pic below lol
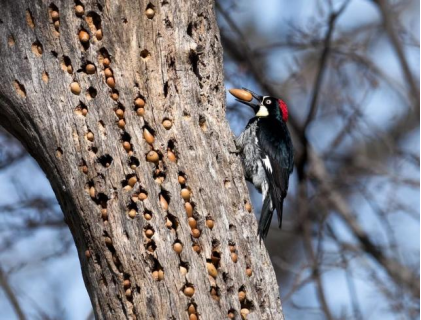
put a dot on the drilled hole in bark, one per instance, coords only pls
(166, 89)
(11, 41)
(159, 176)
(134, 162)
(59, 152)
(83, 167)
(150, 11)
(149, 232)
(55, 16)
(91, 93)
(184, 267)
(158, 271)
(147, 214)
(194, 61)
(45, 76)
(79, 9)
(190, 29)
(215, 292)
(145, 55)
(37, 48)
(84, 38)
(150, 246)
(94, 150)
(104, 57)
(171, 222)
(232, 314)
(105, 160)
(164, 199)
(114, 94)
(66, 65)
(29, 19)
(202, 123)
(196, 248)
(132, 210)
(215, 258)
(94, 21)
(90, 136)
(81, 109)
(20, 88)
(171, 152)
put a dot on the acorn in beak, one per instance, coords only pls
(245, 96)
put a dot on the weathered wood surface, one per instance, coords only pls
(171, 57)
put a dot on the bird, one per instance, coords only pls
(267, 154)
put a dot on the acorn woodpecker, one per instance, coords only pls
(266, 151)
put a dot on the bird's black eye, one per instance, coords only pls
(268, 102)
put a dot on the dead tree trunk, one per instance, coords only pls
(122, 105)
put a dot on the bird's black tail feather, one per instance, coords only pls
(265, 218)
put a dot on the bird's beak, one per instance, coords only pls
(254, 106)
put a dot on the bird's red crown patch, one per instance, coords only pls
(284, 110)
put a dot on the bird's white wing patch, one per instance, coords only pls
(266, 163)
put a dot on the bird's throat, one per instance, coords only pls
(263, 112)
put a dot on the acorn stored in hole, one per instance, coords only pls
(79, 10)
(196, 248)
(181, 180)
(211, 269)
(183, 270)
(152, 156)
(241, 296)
(132, 181)
(195, 233)
(210, 224)
(90, 68)
(149, 233)
(127, 146)
(148, 136)
(120, 113)
(147, 216)
(55, 15)
(75, 88)
(189, 209)
(83, 36)
(167, 124)
(140, 112)
(143, 196)
(192, 222)
(185, 194)
(248, 207)
(139, 102)
(92, 192)
(189, 291)
(150, 13)
(249, 272)
(244, 313)
(98, 34)
(234, 257)
(108, 72)
(90, 136)
(111, 82)
(164, 202)
(241, 94)
(132, 213)
(191, 309)
(106, 62)
(178, 247)
(126, 284)
(171, 156)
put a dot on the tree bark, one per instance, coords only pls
(95, 151)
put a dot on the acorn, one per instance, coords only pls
(181, 180)
(244, 312)
(231, 315)
(193, 317)
(120, 113)
(127, 146)
(55, 15)
(232, 248)
(152, 156)
(79, 10)
(178, 247)
(164, 202)
(56, 25)
(196, 248)
(108, 241)
(69, 69)
(121, 123)
(183, 270)
(241, 94)
(87, 254)
(189, 209)
(132, 213)
(126, 284)
(92, 192)
(185, 194)
(148, 136)
(155, 275)
(140, 112)
(104, 214)
(189, 291)
(75, 88)
(160, 275)
(211, 269)
(195, 233)
(83, 36)
(249, 272)
(106, 62)
(84, 112)
(234, 257)
(192, 222)
(171, 156)
(210, 224)
(147, 216)
(98, 34)
(128, 293)
(90, 68)
(139, 102)
(143, 196)
(150, 13)
(248, 207)
(241, 296)
(85, 169)
(114, 96)
(90, 136)
(132, 181)
(167, 124)
(191, 309)
(111, 82)
(149, 233)
(108, 72)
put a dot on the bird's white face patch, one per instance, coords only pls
(266, 163)
(263, 111)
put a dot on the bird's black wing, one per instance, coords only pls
(277, 157)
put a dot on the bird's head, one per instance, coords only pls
(266, 106)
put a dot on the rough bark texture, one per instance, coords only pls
(169, 54)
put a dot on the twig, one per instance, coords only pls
(4, 283)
